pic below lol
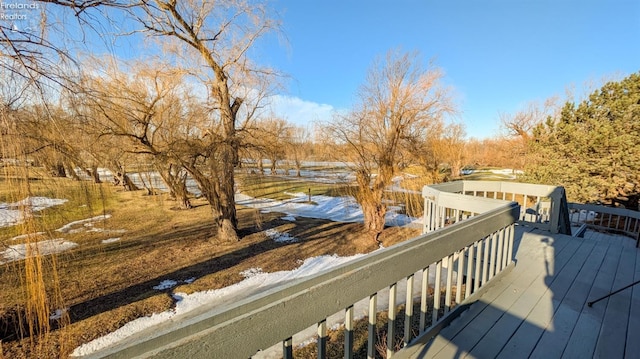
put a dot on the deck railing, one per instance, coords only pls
(541, 206)
(619, 220)
(473, 252)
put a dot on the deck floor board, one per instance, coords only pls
(539, 309)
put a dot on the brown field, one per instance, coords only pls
(105, 286)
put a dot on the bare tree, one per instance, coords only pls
(274, 137)
(398, 104)
(220, 34)
(454, 143)
(299, 147)
(520, 125)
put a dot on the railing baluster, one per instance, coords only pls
(476, 279)
(408, 311)
(460, 276)
(322, 339)
(373, 313)
(287, 348)
(436, 292)
(424, 296)
(447, 297)
(492, 261)
(348, 333)
(485, 264)
(512, 230)
(500, 250)
(469, 282)
(391, 327)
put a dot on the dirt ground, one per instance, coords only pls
(104, 286)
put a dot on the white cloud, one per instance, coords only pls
(299, 111)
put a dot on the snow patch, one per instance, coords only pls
(26, 236)
(68, 228)
(58, 314)
(166, 284)
(21, 251)
(279, 237)
(15, 213)
(255, 282)
(337, 209)
(111, 240)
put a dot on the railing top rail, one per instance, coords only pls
(498, 186)
(603, 209)
(462, 202)
(287, 307)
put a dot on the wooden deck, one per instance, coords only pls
(539, 309)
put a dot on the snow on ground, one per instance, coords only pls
(57, 314)
(21, 251)
(25, 236)
(256, 281)
(110, 240)
(68, 228)
(279, 236)
(15, 213)
(338, 209)
(166, 284)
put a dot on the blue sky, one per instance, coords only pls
(497, 55)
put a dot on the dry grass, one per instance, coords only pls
(106, 285)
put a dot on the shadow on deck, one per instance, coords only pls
(539, 309)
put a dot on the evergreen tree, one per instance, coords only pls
(593, 148)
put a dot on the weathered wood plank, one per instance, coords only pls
(585, 334)
(553, 322)
(632, 347)
(612, 336)
(526, 337)
(558, 271)
(470, 328)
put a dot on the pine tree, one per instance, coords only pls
(593, 148)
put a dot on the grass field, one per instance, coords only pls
(102, 286)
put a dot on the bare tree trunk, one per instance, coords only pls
(370, 197)
(374, 219)
(260, 166)
(71, 171)
(120, 178)
(298, 164)
(273, 166)
(57, 170)
(95, 174)
(176, 181)
(213, 189)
